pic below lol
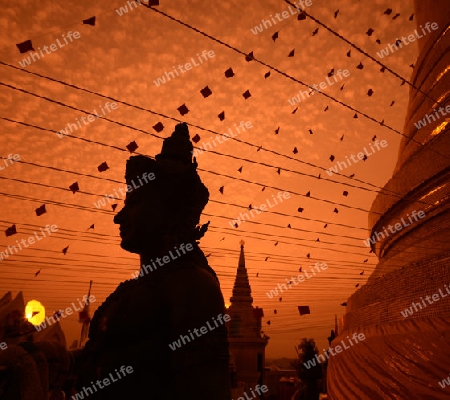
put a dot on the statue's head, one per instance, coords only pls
(165, 198)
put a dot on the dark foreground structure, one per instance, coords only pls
(404, 309)
(160, 336)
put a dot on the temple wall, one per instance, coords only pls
(384, 299)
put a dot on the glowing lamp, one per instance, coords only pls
(35, 312)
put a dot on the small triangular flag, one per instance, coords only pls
(229, 73)
(74, 187)
(303, 310)
(249, 57)
(41, 210)
(11, 230)
(89, 21)
(222, 115)
(25, 46)
(206, 92)
(183, 110)
(132, 146)
(158, 127)
(103, 167)
(246, 94)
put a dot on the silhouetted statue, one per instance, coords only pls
(167, 324)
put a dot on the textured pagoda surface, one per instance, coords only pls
(406, 355)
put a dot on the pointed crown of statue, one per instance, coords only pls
(176, 180)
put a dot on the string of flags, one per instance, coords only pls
(183, 110)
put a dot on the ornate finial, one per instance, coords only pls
(178, 146)
(242, 243)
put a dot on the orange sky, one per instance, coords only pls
(121, 57)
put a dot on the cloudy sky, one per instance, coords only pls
(122, 57)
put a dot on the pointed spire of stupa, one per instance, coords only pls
(242, 292)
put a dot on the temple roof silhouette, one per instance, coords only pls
(242, 292)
